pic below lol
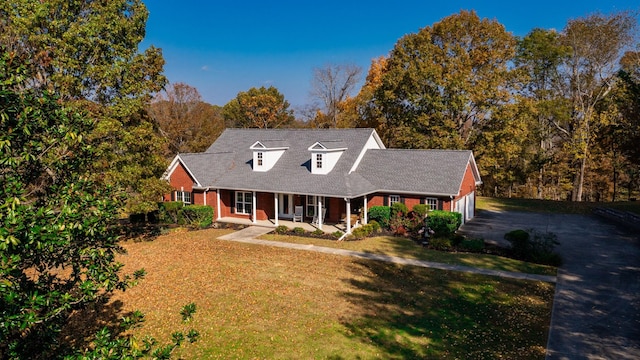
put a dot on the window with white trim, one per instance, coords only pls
(259, 155)
(312, 204)
(244, 202)
(183, 196)
(432, 203)
(319, 161)
(393, 199)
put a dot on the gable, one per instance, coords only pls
(179, 168)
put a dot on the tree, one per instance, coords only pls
(443, 81)
(87, 53)
(332, 85)
(628, 99)
(360, 110)
(188, 123)
(597, 43)
(57, 240)
(538, 61)
(263, 108)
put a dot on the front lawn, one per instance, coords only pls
(264, 302)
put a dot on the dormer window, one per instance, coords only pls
(267, 153)
(325, 155)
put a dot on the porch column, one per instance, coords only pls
(204, 200)
(218, 204)
(275, 202)
(365, 219)
(320, 219)
(348, 201)
(253, 208)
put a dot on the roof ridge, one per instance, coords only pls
(399, 149)
(207, 153)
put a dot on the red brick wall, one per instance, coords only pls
(336, 207)
(409, 200)
(265, 206)
(179, 180)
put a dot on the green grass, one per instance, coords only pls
(403, 247)
(261, 302)
(550, 206)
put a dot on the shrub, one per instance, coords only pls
(420, 210)
(399, 209)
(381, 215)
(318, 232)
(359, 233)
(534, 246)
(472, 245)
(197, 215)
(337, 234)
(520, 244)
(281, 229)
(168, 211)
(375, 226)
(298, 230)
(136, 218)
(441, 243)
(414, 222)
(444, 223)
(457, 239)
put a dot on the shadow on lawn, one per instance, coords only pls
(84, 324)
(412, 312)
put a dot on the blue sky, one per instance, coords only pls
(222, 48)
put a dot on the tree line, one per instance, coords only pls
(550, 115)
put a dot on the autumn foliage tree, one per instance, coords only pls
(262, 108)
(188, 123)
(443, 81)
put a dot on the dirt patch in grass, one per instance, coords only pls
(262, 302)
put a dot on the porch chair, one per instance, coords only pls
(297, 214)
(315, 217)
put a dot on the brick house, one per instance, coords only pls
(274, 174)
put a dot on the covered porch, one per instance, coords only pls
(328, 228)
(310, 212)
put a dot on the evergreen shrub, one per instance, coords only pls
(381, 214)
(444, 223)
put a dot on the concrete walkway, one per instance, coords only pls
(596, 309)
(249, 235)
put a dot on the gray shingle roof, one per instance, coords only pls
(227, 164)
(429, 172)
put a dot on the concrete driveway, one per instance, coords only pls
(596, 309)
